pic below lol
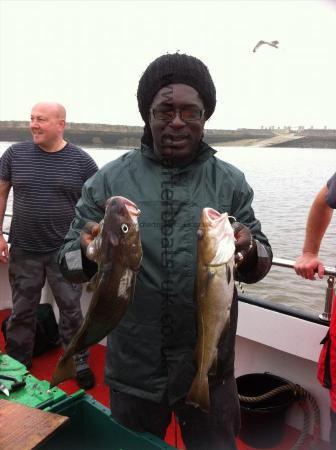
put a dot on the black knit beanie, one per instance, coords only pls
(175, 68)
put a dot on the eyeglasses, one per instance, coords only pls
(185, 114)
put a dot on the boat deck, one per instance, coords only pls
(44, 365)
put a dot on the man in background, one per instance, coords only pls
(307, 266)
(47, 176)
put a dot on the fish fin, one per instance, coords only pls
(224, 334)
(64, 370)
(200, 234)
(229, 274)
(224, 331)
(198, 394)
(91, 286)
(213, 368)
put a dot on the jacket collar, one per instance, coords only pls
(204, 153)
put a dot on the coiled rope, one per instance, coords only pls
(305, 399)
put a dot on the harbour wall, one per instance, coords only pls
(103, 135)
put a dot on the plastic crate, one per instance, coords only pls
(92, 428)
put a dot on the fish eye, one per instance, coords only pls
(124, 228)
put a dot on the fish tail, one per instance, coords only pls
(198, 394)
(65, 369)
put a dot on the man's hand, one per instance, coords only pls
(244, 242)
(88, 233)
(3, 250)
(308, 264)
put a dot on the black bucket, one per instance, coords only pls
(263, 423)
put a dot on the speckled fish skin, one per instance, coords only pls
(214, 293)
(118, 253)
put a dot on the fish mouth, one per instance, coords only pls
(213, 217)
(218, 230)
(131, 207)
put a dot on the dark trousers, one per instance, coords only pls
(200, 431)
(333, 429)
(27, 274)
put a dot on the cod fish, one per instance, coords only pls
(118, 253)
(213, 296)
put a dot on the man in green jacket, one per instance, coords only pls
(171, 178)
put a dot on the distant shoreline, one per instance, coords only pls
(123, 136)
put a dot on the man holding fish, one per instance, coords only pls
(173, 349)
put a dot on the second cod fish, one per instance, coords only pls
(117, 251)
(214, 293)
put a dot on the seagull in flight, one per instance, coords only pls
(272, 44)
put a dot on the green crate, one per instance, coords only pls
(92, 428)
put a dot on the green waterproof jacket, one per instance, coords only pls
(150, 352)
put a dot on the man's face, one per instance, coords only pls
(176, 140)
(46, 125)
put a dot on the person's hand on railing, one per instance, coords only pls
(3, 250)
(308, 265)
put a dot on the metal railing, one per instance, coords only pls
(289, 263)
(330, 291)
(281, 262)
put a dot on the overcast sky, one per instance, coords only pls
(89, 55)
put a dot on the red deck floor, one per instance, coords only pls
(44, 365)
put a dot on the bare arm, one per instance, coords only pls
(4, 191)
(319, 217)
